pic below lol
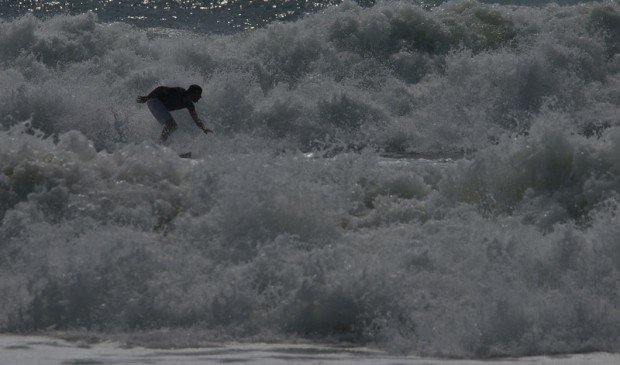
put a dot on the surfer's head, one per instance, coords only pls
(194, 93)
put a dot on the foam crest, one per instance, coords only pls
(510, 249)
(348, 248)
(395, 76)
(551, 172)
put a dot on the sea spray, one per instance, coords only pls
(116, 245)
(394, 77)
(433, 180)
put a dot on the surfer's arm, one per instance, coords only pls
(199, 123)
(155, 94)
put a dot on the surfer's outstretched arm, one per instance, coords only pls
(199, 123)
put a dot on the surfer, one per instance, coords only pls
(162, 100)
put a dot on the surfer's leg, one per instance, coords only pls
(163, 116)
(169, 127)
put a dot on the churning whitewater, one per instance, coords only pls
(433, 178)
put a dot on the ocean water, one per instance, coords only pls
(53, 351)
(219, 16)
(421, 178)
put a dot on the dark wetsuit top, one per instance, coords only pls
(172, 98)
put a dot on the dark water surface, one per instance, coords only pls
(204, 15)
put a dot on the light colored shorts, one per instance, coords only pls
(159, 111)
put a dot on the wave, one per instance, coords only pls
(512, 253)
(510, 250)
(394, 77)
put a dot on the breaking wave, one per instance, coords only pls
(510, 249)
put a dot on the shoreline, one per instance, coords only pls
(45, 349)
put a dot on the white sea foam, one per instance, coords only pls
(291, 222)
(50, 351)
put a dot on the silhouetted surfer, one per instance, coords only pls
(162, 100)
